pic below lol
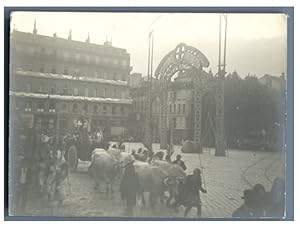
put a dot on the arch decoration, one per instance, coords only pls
(187, 59)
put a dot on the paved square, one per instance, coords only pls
(225, 178)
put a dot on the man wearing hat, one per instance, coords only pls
(246, 210)
(179, 162)
(189, 194)
(129, 187)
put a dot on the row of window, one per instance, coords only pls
(72, 56)
(180, 108)
(140, 106)
(77, 73)
(76, 108)
(178, 122)
(94, 92)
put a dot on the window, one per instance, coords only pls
(40, 107)
(86, 92)
(41, 88)
(115, 76)
(52, 107)
(87, 58)
(122, 110)
(77, 56)
(42, 69)
(52, 90)
(31, 50)
(105, 92)
(64, 107)
(65, 91)
(43, 50)
(170, 108)
(192, 108)
(95, 109)
(183, 108)
(97, 60)
(95, 92)
(179, 108)
(53, 70)
(75, 108)
(174, 108)
(93, 60)
(174, 122)
(38, 123)
(76, 92)
(51, 123)
(113, 110)
(28, 106)
(63, 125)
(115, 94)
(85, 107)
(18, 104)
(104, 109)
(98, 93)
(105, 75)
(66, 71)
(66, 55)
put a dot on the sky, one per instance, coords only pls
(256, 43)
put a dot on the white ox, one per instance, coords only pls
(103, 168)
(175, 173)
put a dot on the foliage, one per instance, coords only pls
(251, 108)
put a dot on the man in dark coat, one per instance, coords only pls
(246, 210)
(254, 203)
(129, 188)
(179, 162)
(189, 194)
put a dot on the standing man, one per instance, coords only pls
(129, 187)
(190, 195)
(179, 162)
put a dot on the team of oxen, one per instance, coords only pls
(160, 179)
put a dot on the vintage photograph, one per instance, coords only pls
(163, 115)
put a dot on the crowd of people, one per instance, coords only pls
(40, 168)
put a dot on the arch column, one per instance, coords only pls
(198, 117)
(220, 131)
(163, 120)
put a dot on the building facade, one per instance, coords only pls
(59, 83)
(180, 109)
(274, 82)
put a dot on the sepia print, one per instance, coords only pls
(147, 115)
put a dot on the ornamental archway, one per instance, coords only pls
(190, 60)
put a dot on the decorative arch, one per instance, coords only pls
(187, 58)
(183, 57)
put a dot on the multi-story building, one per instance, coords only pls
(135, 80)
(180, 108)
(274, 82)
(58, 83)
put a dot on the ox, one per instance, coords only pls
(103, 168)
(175, 173)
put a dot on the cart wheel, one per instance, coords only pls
(72, 158)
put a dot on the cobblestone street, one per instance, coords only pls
(225, 178)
